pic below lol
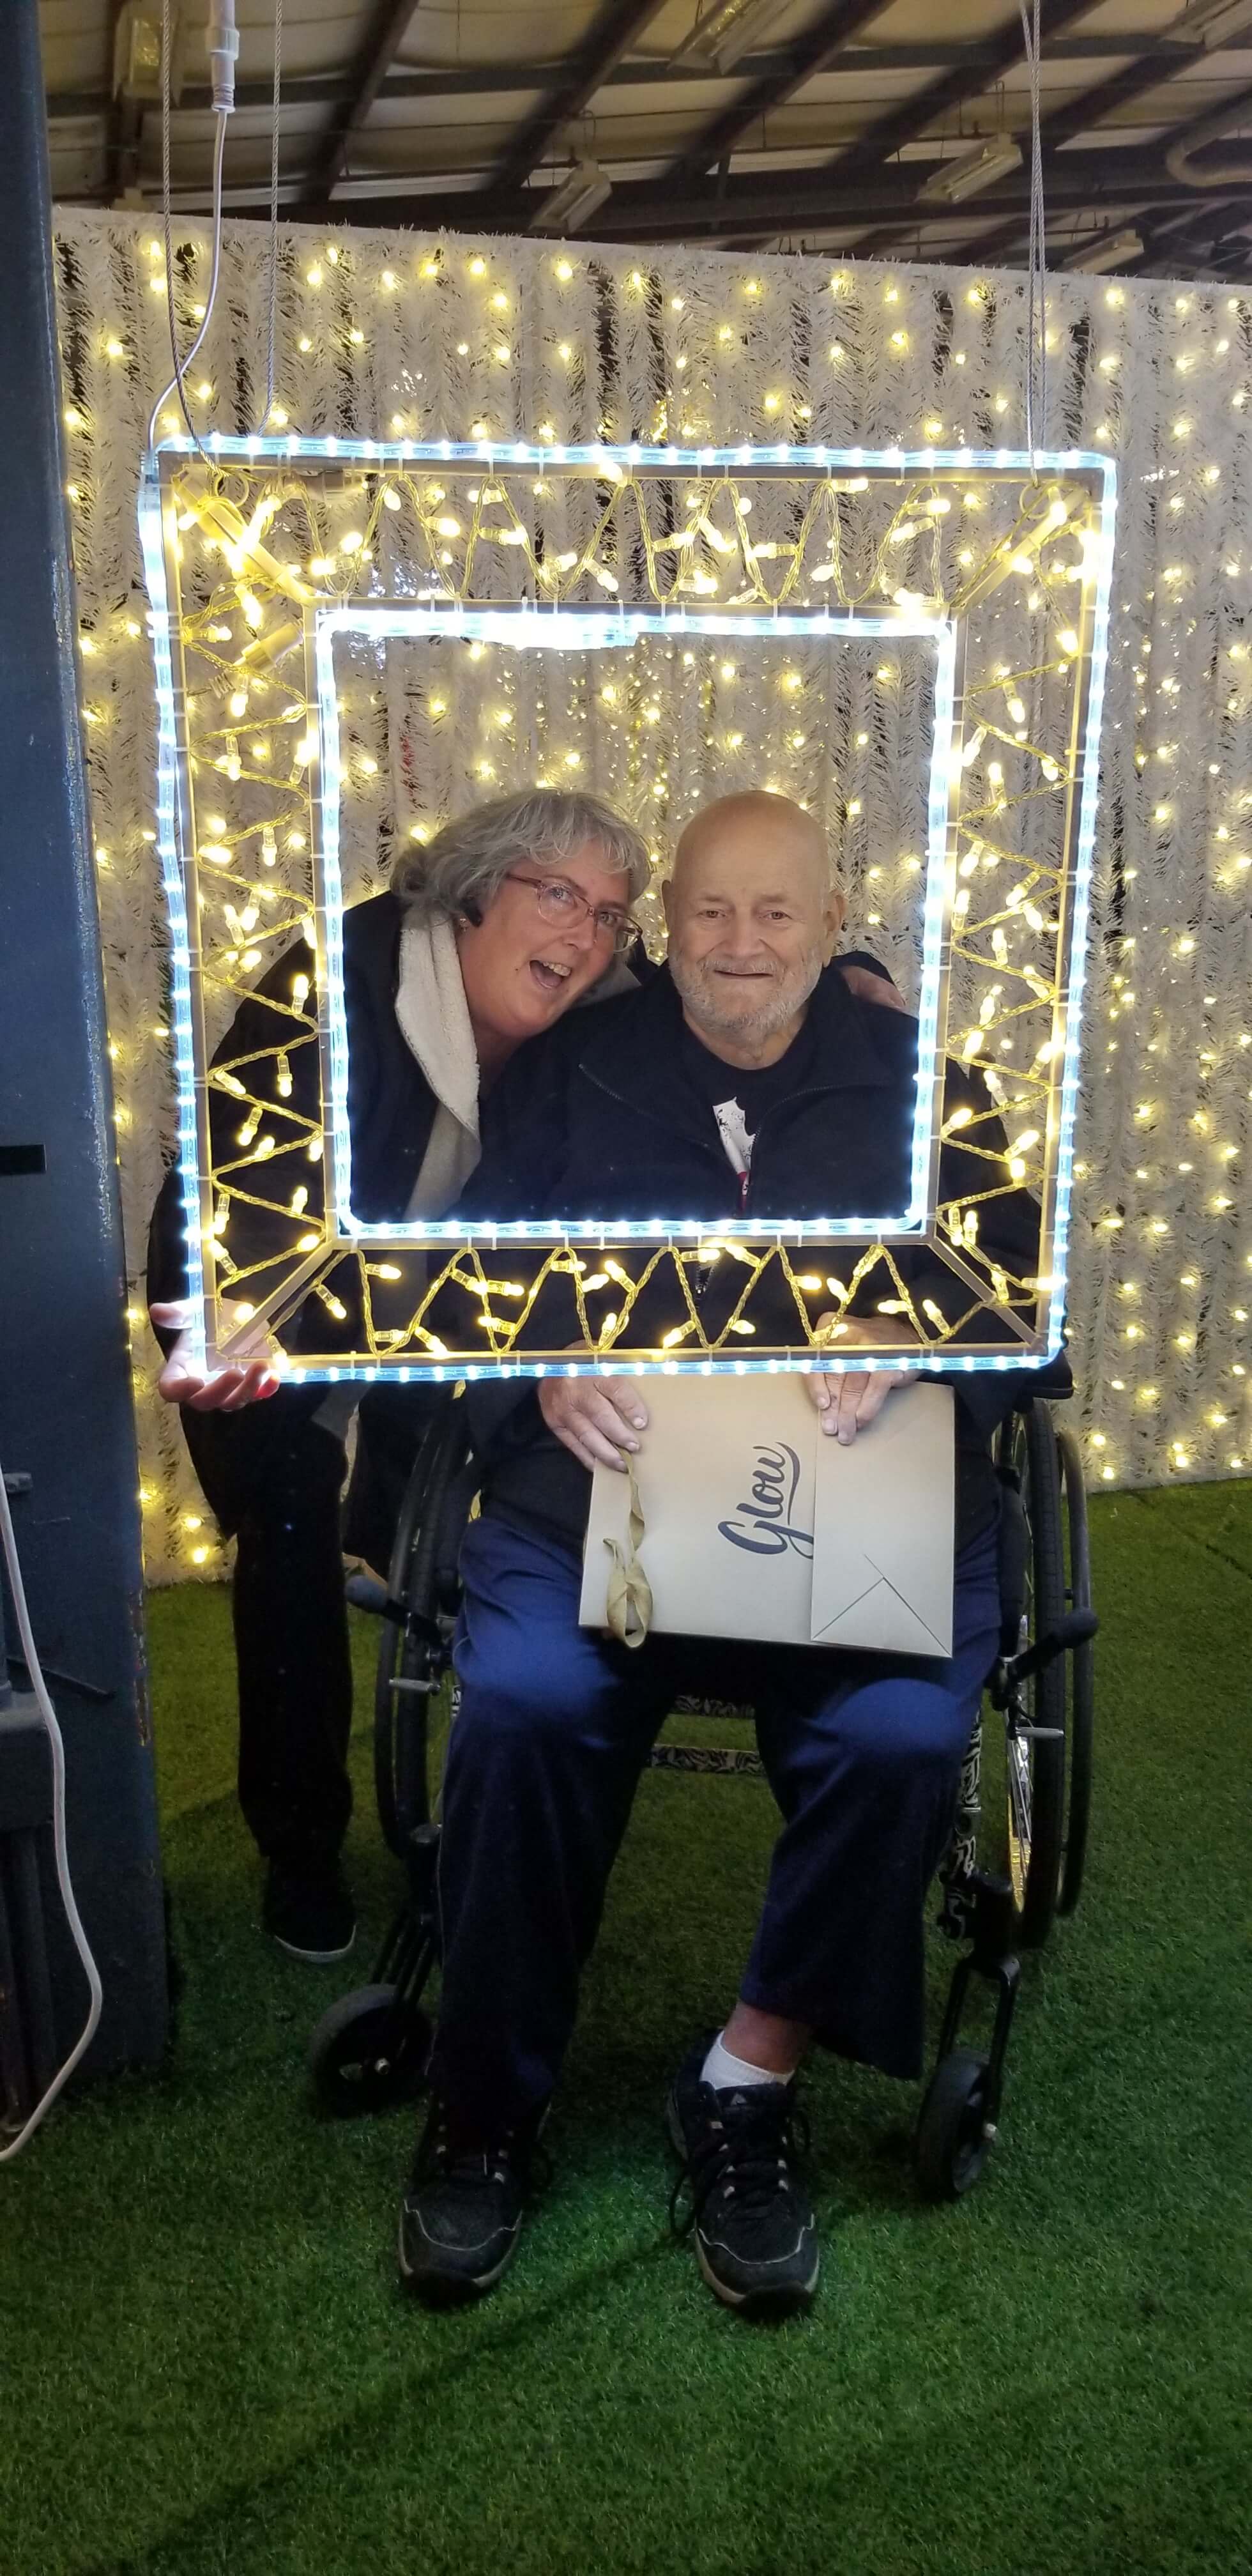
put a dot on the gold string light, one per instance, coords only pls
(249, 540)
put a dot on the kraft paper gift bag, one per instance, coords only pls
(885, 1530)
(757, 1525)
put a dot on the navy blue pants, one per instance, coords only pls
(555, 1725)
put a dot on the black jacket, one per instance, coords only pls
(600, 1118)
(391, 1108)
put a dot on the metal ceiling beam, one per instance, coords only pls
(70, 106)
(1092, 106)
(1089, 109)
(123, 124)
(753, 231)
(612, 33)
(907, 124)
(489, 80)
(772, 201)
(388, 26)
(1172, 246)
(812, 53)
(1229, 240)
(1219, 217)
(1008, 246)
(1177, 242)
(1075, 116)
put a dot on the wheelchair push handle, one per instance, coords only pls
(1077, 1628)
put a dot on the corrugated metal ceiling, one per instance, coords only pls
(820, 132)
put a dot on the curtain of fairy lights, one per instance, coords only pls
(397, 334)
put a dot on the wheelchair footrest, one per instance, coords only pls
(992, 1926)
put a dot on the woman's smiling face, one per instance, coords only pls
(521, 971)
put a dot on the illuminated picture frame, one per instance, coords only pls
(232, 500)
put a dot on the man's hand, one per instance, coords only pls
(869, 987)
(595, 1418)
(849, 1402)
(246, 1380)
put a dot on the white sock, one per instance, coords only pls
(728, 2073)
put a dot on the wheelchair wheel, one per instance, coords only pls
(1035, 1764)
(409, 1649)
(1080, 1667)
(954, 2136)
(369, 2051)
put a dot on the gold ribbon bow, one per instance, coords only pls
(629, 1606)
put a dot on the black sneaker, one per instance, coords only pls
(755, 2234)
(309, 1913)
(461, 2216)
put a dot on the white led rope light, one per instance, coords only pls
(569, 630)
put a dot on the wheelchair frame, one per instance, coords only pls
(370, 2049)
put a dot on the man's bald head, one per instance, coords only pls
(753, 916)
(755, 821)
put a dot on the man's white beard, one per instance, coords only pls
(715, 1004)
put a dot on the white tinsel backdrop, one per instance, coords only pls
(529, 339)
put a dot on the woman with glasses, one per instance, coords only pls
(510, 916)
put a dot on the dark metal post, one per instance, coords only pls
(65, 1408)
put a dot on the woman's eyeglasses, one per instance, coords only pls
(565, 905)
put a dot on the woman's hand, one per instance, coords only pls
(246, 1380)
(595, 1418)
(849, 1402)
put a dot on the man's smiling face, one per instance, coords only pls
(753, 918)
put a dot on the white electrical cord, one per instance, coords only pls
(273, 243)
(1036, 318)
(222, 46)
(73, 1917)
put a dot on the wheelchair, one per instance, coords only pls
(371, 2048)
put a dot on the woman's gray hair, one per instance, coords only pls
(467, 862)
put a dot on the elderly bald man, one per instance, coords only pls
(744, 1079)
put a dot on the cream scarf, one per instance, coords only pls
(435, 1025)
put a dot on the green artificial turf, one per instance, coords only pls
(206, 2368)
